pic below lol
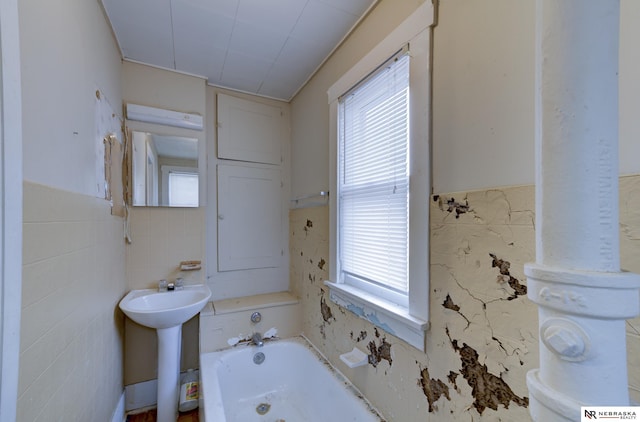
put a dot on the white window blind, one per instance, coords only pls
(373, 178)
(183, 189)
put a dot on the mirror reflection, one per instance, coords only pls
(165, 170)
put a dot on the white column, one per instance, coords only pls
(583, 296)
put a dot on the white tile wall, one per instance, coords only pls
(161, 238)
(71, 332)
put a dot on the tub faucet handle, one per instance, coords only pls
(257, 339)
(256, 317)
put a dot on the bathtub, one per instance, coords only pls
(293, 383)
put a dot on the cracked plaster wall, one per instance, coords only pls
(483, 337)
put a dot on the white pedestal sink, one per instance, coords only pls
(166, 312)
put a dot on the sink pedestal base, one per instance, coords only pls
(169, 345)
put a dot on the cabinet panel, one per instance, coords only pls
(249, 131)
(249, 217)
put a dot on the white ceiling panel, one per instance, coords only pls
(195, 24)
(323, 25)
(278, 15)
(354, 7)
(244, 72)
(255, 41)
(296, 63)
(201, 38)
(228, 8)
(266, 47)
(135, 23)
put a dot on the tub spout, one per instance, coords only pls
(257, 339)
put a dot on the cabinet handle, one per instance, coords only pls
(220, 217)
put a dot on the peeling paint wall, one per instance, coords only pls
(483, 337)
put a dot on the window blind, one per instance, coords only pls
(183, 189)
(373, 178)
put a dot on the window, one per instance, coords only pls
(179, 186)
(183, 189)
(373, 182)
(380, 158)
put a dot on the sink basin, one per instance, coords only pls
(155, 309)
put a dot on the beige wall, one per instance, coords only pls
(162, 237)
(71, 334)
(310, 109)
(73, 253)
(483, 94)
(483, 87)
(482, 333)
(67, 53)
(483, 336)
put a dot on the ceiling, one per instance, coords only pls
(264, 47)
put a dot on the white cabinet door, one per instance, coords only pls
(249, 217)
(249, 131)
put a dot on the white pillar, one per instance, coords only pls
(583, 296)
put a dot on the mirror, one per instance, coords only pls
(164, 170)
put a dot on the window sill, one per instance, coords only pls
(385, 315)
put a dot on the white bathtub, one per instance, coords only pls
(294, 383)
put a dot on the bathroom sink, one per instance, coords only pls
(155, 309)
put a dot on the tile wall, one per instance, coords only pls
(71, 332)
(483, 337)
(161, 238)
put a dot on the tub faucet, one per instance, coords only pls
(257, 339)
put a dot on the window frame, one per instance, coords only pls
(408, 323)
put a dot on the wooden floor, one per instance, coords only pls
(150, 416)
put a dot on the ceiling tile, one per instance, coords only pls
(227, 8)
(298, 57)
(201, 38)
(296, 62)
(254, 41)
(323, 25)
(280, 15)
(194, 24)
(143, 29)
(243, 72)
(270, 47)
(276, 89)
(208, 64)
(354, 7)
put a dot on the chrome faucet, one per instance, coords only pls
(257, 340)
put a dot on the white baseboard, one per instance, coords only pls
(118, 413)
(140, 395)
